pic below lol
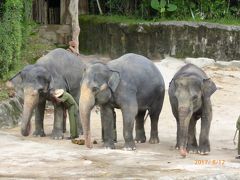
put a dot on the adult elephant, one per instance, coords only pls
(59, 69)
(189, 93)
(131, 83)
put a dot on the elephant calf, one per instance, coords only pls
(131, 83)
(189, 93)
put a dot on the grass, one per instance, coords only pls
(111, 19)
(133, 20)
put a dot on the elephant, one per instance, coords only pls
(189, 94)
(131, 83)
(59, 69)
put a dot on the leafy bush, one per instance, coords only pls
(13, 29)
(170, 9)
(162, 6)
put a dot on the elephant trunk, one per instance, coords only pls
(184, 120)
(86, 103)
(31, 98)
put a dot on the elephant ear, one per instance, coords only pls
(25, 71)
(57, 83)
(209, 87)
(53, 84)
(16, 79)
(114, 80)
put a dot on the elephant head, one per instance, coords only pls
(35, 81)
(190, 93)
(98, 85)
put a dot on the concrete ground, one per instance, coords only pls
(44, 158)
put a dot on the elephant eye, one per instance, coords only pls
(95, 89)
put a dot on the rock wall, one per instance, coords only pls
(157, 40)
(55, 34)
(10, 112)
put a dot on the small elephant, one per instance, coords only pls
(189, 94)
(131, 83)
(59, 69)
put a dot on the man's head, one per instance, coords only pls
(58, 92)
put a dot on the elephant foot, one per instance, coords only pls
(39, 133)
(129, 146)
(204, 148)
(109, 145)
(57, 135)
(141, 139)
(177, 147)
(183, 152)
(154, 140)
(192, 149)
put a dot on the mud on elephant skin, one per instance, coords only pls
(189, 93)
(59, 69)
(131, 83)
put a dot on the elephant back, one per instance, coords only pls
(60, 58)
(138, 71)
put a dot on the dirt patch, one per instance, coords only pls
(31, 157)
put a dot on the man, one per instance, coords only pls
(71, 48)
(238, 129)
(61, 96)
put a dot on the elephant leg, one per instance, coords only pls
(175, 113)
(154, 139)
(192, 146)
(204, 143)
(57, 132)
(140, 132)
(177, 146)
(39, 116)
(154, 115)
(107, 117)
(129, 112)
(114, 126)
(79, 123)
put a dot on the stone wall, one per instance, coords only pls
(157, 40)
(55, 34)
(10, 112)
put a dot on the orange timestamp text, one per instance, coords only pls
(209, 162)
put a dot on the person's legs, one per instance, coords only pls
(73, 122)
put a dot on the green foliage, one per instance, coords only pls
(209, 10)
(14, 26)
(206, 9)
(133, 8)
(162, 6)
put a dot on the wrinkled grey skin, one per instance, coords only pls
(58, 69)
(131, 83)
(189, 93)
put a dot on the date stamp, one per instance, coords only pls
(209, 162)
